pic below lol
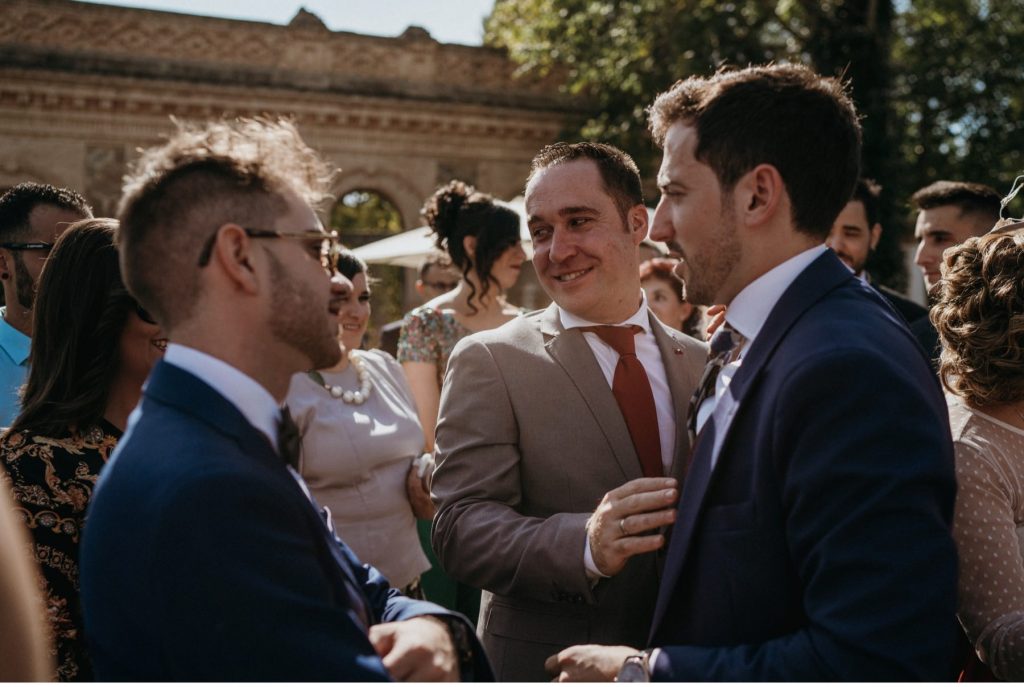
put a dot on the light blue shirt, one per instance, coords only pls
(14, 350)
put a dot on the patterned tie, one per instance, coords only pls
(288, 438)
(725, 346)
(632, 391)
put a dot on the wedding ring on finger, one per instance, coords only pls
(622, 527)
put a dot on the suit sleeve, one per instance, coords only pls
(864, 461)
(479, 534)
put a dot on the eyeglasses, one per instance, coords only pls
(35, 245)
(441, 285)
(327, 245)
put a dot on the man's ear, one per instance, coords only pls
(636, 222)
(233, 255)
(876, 234)
(758, 195)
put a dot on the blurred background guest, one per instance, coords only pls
(979, 316)
(92, 348)
(436, 277)
(481, 238)
(360, 436)
(25, 652)
(665, 297)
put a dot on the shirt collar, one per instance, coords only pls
(14, 343)
(749, 310)
(639, 318)
(244, 392)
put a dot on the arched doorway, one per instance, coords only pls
(362, 216)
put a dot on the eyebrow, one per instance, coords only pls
(565, 212)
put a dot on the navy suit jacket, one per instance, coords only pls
(204, 559)
(818, 547)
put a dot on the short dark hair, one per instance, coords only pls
(619, 173)
(81, 309)
(971, 198)
(178, 194)
(868, 194)
(18, 203)
(772, 115)
(457, 210)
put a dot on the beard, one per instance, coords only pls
(296, 322)
(706, 270)
(25, 288)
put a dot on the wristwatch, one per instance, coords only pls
(635, 669)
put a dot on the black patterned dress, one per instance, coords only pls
(52, 480)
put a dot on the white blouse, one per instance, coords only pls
(355, 459)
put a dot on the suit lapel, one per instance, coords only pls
(682, 380)
(818, 279)
(570, 350)
(187, 393)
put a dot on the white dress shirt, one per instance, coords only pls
(748, 312)
(649, 354)
(242, 391)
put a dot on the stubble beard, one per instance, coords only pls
(25, 288)
(706, 272)
(296, 321)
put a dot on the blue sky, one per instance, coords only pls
(449, 21)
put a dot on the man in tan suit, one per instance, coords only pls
(549, 496)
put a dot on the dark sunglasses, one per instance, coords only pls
(144, 314)
(34, 245)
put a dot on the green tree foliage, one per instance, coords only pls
(935, 80)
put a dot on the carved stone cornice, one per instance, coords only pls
(82, 38)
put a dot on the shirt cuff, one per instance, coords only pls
(593, 574)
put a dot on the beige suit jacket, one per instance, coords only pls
(529, 439)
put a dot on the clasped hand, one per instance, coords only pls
(416, 650)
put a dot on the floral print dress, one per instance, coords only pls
(428, 336)
(52, 480)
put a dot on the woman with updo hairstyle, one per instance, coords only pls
(482, 239)
(979, 316)
(664, 291)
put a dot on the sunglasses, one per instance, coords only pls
(35, 245)
(144, 314)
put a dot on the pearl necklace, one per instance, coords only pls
(356, 398)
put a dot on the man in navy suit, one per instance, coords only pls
(206, 558)
(812, 536)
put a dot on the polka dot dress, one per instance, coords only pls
(988, 527)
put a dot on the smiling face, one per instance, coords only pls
(851, 238)
(354, 313)
(509, 265)
(696, 220)
(586, 257)
(140, 346)
(940, 228)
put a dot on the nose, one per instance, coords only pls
(563, 246)
(922, 258)
(520, 251)
(661, 229)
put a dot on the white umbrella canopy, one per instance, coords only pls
(410, 248)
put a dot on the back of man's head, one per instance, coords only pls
(619, 173)
(787, 116)
(17, 204)
(178, 195)
(970, 198)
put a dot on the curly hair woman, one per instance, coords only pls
(980, 320)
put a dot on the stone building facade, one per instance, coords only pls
(83, 86)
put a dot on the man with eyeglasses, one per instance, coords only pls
(32, 217)
(205, 557)
(437, 276)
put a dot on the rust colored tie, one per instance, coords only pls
(632, 391)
